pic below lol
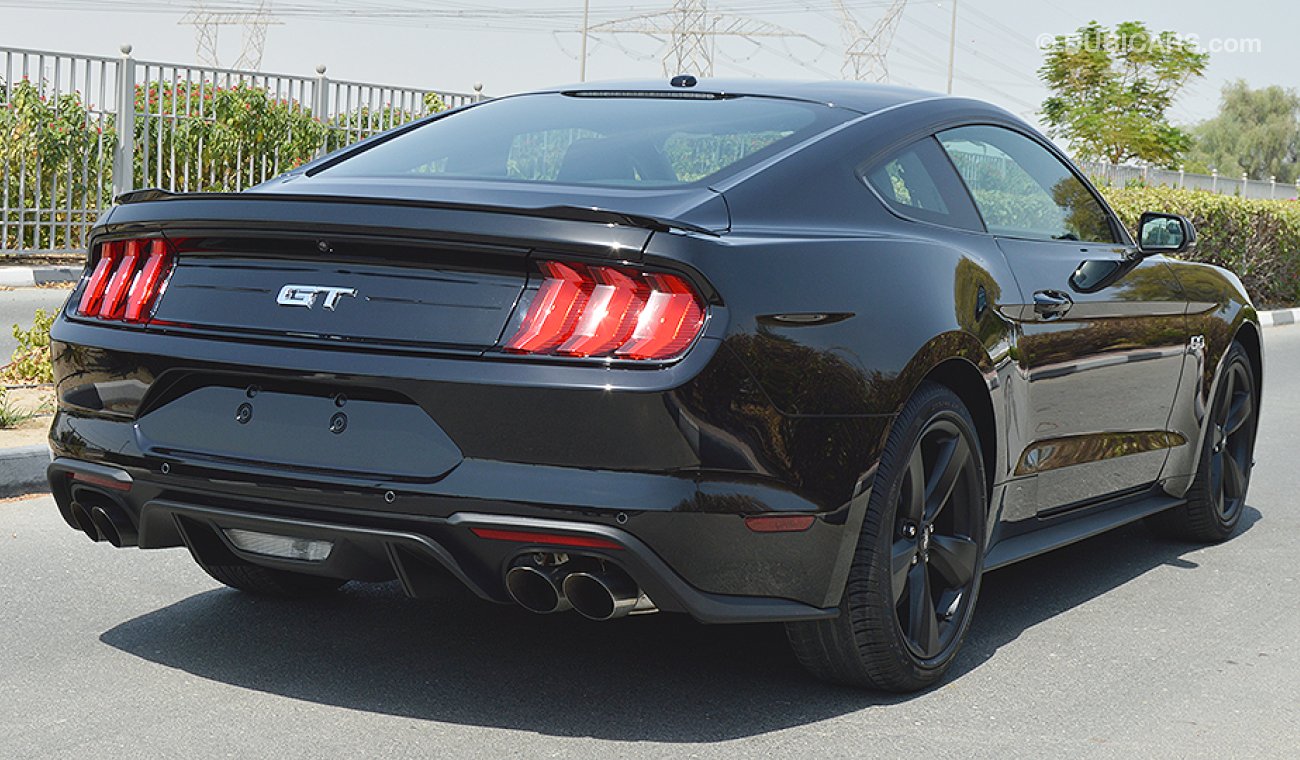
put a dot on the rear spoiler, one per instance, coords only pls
(561, 212)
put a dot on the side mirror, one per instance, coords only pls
(1095, 274)
(1164, 233)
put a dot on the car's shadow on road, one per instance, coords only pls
(657, 678)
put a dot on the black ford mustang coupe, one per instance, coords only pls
(819, 354)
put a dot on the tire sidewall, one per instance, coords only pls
(1234, 355)
(930, 404)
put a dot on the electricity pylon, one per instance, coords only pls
(207, 24)
(865, 57)
(692, 31)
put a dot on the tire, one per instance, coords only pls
(916, 572)
(266, 581)
(1217, 495)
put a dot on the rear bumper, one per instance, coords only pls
(673, 459)
(763, 574)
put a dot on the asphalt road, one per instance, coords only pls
(18, 306)
(1124, 646)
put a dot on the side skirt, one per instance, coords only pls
(1053, 533)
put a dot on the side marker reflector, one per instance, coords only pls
(779, 523)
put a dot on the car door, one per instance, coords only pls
(1101, 356)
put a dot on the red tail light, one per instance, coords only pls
(601, 311)
(127, 280)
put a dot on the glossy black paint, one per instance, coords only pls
(826, 311)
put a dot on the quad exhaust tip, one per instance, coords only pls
(537, 589)
(605, 595)
(599, 594)
(84, 522)
(104, 521)
(113, 525)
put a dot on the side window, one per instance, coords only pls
(1022, 190)
(918, 182)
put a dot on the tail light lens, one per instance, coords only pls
(127, 279)
(602, 311)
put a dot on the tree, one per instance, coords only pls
(1112, 90)
(1256, 132)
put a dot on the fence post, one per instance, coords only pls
(1245, 184)
(1272, 187)
(124, 150)
(1182, 174)
(320, 106)
(1214, 180)
(478, 92)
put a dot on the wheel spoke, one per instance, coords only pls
(948, 467)
(954, 558)
(922, 620)
(915, 496)
(899, 563)
(1238, 413)
(1229, 390)
(1234, 479)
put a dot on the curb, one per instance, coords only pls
(1279, 317)
(29, 277)
(22, 470)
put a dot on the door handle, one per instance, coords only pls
(1051, 303)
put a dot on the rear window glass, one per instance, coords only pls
(625, 141)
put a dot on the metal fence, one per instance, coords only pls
(1244, 186)
(78, 130)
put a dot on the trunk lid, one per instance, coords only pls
(451, 299)
(422, 272)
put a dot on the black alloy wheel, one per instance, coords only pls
(1217, 496)
(934, 556)
(1232, 441)
(911, 589)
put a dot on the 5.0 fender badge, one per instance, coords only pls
(305, 295)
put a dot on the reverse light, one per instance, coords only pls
(127, 279)
(284, 547)
(602, 311)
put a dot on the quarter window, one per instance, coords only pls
(1022, 190)
(918, 182)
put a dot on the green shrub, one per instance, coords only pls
(211, 138)
(222, 138)
(11, 416)
(1257, 239)
(43, 141)
(30, 363)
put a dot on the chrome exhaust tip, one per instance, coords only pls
(537, 589)
(84, 522)
(606, 595)
(113, 525)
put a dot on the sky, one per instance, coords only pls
(511, 45)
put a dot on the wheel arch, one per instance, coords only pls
(965, 379)
(1249, 337)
